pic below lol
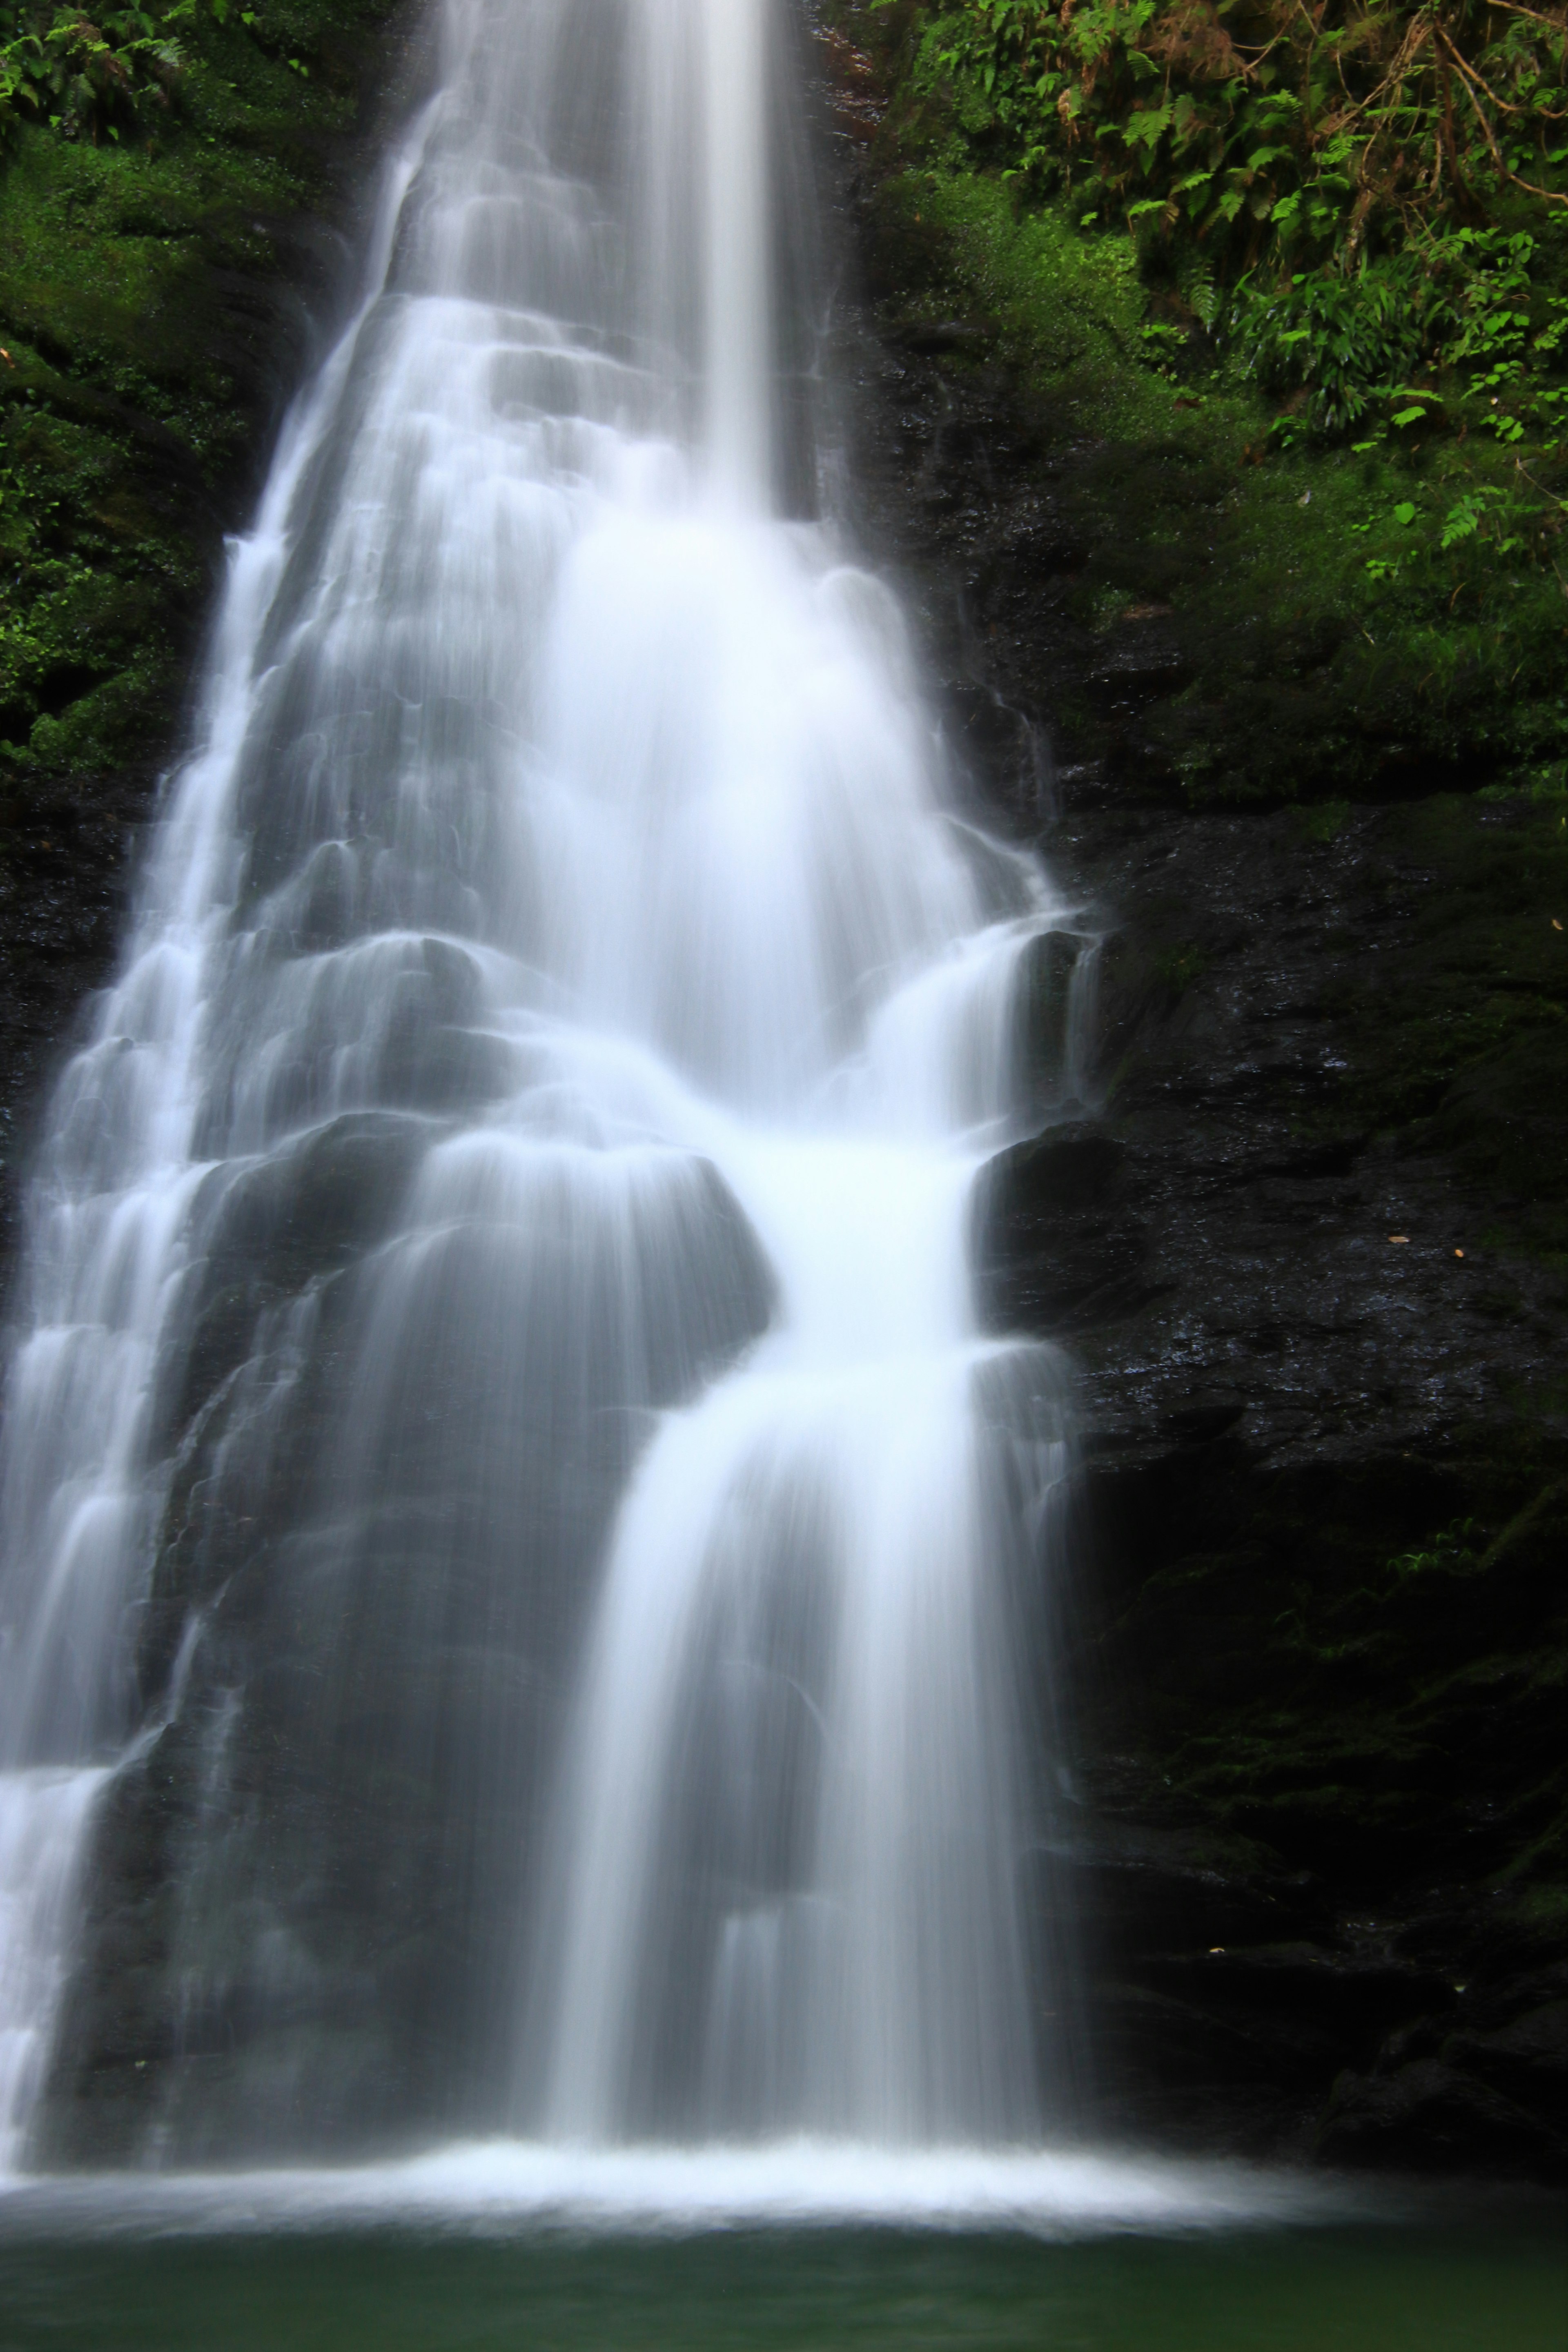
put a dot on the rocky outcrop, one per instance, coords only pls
(1306, 1243)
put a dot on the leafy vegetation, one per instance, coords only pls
(1329, 444)
(121, 72)
(105, 76)
(1271, 131)
(1359, 205)
(159, 171)
(1451, 1548)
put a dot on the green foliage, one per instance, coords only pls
(85, 633)
(107, 76)
(1334, 187)
(141, 321)
(1340, 340)
(1451, 1550)
(118, 74)
(1274, 129)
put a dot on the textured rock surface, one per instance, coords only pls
(1319, 1645)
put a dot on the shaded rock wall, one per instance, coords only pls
(1320, 1639)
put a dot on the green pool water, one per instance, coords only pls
(1446, 2284)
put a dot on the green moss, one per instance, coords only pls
(1063, 302)
(1545, 1907)
(1179, 967)
(1324, 823)
(1305, 1692)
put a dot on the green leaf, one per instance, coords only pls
(1410, 416)
(1462, 523)
(1405, 513)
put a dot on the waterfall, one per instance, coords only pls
(736, 344)
(523, 1580)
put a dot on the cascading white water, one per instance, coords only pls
(498, 1317)
(737, 345)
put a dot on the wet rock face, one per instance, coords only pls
(394, 1458)
(1296, 1232)
(1306, 1243)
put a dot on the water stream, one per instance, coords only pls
(524, 1581)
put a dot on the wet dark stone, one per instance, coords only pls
(296, 1218)
(307, 1924)
(1054, 1245)
(1317, 1777)
(1434, 2115)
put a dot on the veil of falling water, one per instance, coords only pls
(522, 1581)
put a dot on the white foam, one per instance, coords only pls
(509, 2186)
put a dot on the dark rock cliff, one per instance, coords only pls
(1307, 1244)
